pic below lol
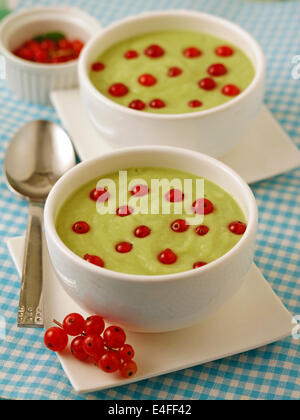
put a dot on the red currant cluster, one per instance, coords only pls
(104, 346)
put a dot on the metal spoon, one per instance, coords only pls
(38, 155)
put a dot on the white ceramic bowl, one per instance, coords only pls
(152, 303)
(213, 131)
(33, 82)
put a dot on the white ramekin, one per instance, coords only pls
(33, 82)
(213, 131)
(152, 303)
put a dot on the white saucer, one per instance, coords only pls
(252, 318)
(265, 151)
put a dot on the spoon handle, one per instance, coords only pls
(30, 306)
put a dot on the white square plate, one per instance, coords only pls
(252, 318)
(265, 151)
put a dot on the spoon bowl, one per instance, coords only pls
(38, 155)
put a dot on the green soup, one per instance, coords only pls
(194, 239)
(182, 90)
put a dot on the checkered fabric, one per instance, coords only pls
(29, 371)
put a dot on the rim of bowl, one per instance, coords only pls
(259, 70)
(52, 232)
(42, 66)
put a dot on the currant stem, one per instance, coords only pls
(58, 323)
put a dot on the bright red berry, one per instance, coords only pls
(199, 264)
(123, 247)
(99, 194)
(109, 362)
(207, 83)
(124, 211)
(139, 190)
(202, 230)
(56, 339)
(126, 352)
(77, 46)
(237, 227)
(142, 231)
(94, 259)
(154, 51)
(157, 103)
(179, 225)
(93, 345)
(174, 72)
(94, 325)
(217, 69)
(174, 195)
(147, 80)
(137, 104)
(224, 51)
(167, 256)
(118, 90)
(81, 227)
(131, 54)
(41, 56)
(128, 369)
(195, 103)
(98, 66)
(203, 206)
(192, 52)
(73, 324)
(230, 90)
(114, 337)
(77, 348)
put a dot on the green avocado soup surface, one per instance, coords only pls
(108, 230)
(178, 91)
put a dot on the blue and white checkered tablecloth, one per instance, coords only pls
(29, 371)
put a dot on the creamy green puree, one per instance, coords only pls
(176, 92)
(108, 230)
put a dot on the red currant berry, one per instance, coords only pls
(203, 206)
(109, 362)
(94, 259)
(199, 264)
(224, 51)
(124, 211)
(174, 72)
(77, 348)
(207, 83)
(94, 325)
(167, 256)
(142, 231)
(137, 104)
(73, 324)
(192, 52)
(126, 352)
(128, 369)
(230, 90)
(154, 51)
(131, 54)
(123, 247)
(99, 194)
(237, 227)
(98, 66)
(202, 230)
(147, 80)
(195, 103)
(81, 227)
(174, 196)
(56, 339)
(114, 337)
(118, 90)
(139, 190)
(217, 69)
(93, 345)
(157, 103)
(179, 225)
